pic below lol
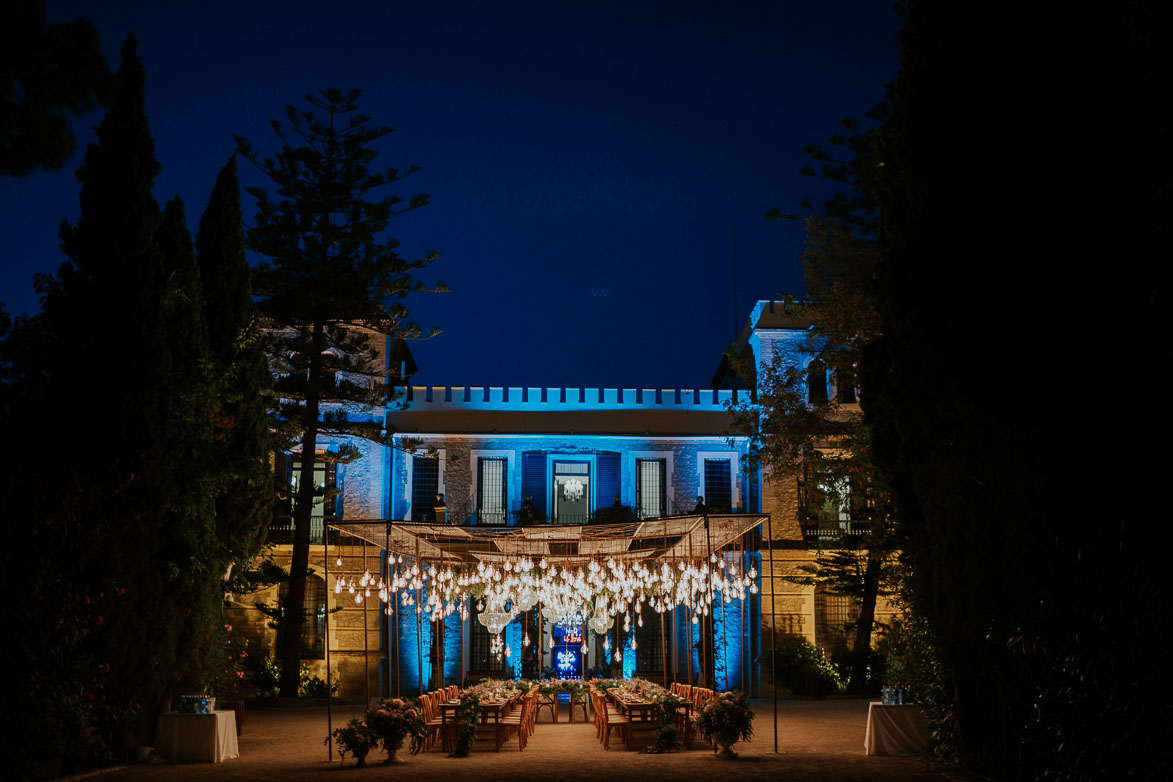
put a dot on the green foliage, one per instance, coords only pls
(48, 74)
(802, 668)
(468, 718)
(330, 286)
(397, 719)
(314, 686)
(132, 520)
(356, 738)
(244, 490)
(915, 662)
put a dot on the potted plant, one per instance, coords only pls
(356, 739)
(394, 720)
(725, 720)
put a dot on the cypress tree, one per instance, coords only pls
(118, 555)
(244, 496)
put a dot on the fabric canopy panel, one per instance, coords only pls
(673, 537)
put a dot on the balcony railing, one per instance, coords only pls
(833, 533)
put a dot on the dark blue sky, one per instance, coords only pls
(588, 163)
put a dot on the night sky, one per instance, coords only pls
(589, 164)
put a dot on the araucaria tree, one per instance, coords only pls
(330, 286)
(796, 427)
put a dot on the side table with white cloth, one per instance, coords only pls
(199, 738)
(896, 730)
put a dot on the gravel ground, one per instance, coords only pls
(817, 740)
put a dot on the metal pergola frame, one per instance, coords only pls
(684, 537)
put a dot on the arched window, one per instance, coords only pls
(816, 380)
(313, 626)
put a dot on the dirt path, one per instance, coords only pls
(817, 740)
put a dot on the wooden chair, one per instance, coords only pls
(435, 725)
(516, 722)
(575, 702)
(550, 702)
(612, 719)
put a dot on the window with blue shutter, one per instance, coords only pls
(607, 489)
(533, 483)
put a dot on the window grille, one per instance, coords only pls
(313, 625)
(425, 485)
(492, 491)
(648, 655)
(835, 618)
(718, 486)
(649, 488)
(480, 658)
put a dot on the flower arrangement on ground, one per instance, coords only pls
(724, 720)
(356, 739)
(395, 720)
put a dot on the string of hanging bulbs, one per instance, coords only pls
(593, 595)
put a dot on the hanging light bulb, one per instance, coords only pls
(584, 647)
(634, 645)
(551, 642)
(508, 651)
(618, 656)
(339, 562)
(525, 640)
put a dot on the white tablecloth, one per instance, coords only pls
(200, 738)
(896, 730)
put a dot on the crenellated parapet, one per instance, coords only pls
(543, 399)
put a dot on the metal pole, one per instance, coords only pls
(741, 609)
(386, 613)
(773, 626)
(366, 649)
(663, 650)
(710, 640)
(326, 641)
(419, 622)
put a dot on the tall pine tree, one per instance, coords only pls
(331, 287)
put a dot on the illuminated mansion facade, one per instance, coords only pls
(501, 457)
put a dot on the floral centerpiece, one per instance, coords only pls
(395, 720)
(724, 720)
(667, 733)
(356, 739)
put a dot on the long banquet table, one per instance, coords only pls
(200, 738)
(635, 708)
(491, 713)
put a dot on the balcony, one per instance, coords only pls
(820, 533)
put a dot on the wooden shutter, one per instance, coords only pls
(608, 485)
(533, 478)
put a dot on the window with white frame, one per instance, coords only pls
(492, 490)
(650, 488)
